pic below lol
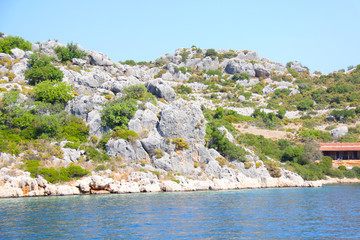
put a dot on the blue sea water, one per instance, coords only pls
(330, 212)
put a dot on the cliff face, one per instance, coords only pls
(170, 153)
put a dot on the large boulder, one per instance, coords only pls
(239, 66)
(17, 53)
(120, 147)
(161, 89)
(182, 119)
(100, 59)
(144, 121)
(261, 73)
(339, 132)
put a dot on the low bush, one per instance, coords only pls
(211, 53)
(94, 154)
(125, 134)
(69, 52)
(51, 92)
(317, 135)
(180, 143)
(273, 170)
(305, 104)
(10, 42)
(100, 167)
(182, 89)
(159, 153)
(73, 145)
(52, 175)
(137, 92)
(42, 70)
(129, 62)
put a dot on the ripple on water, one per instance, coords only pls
(293, 213)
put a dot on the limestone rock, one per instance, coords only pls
(78, 61)
(63, 190)
(100, 183)
(240, 66)
(100, 59)
(182, 119)
(298, 67)
(144, 120)
(150, 144)
(339, 132)
(161, 89)
(120, 147)
(17, 53)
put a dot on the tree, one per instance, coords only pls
(117, 113)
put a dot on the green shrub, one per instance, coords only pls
(129, 62)
(222, 161)
(10, 97)
(54, 176)
(73, 145)
(273, 170)
(42, 70)
(257, 89)
(125, 134)
(32, 167)
(51, 92)
(104, 139)
(281, 113)
(118, 112)
(74, 171)
(182, 69)
(242, 76)
(216, 72)
(211, 52)
(180, 143)
(10, 42)
(184, 55)
(317, 134)
(248, 165)
(93, 154)
(69, 52)
(137, 92)
(100, 167)
(74, 129)
(159, 153)
(182, 89)
(223, 145)
(342, 168)
(343, 115)
(305, 104)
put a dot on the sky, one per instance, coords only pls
(322, 35)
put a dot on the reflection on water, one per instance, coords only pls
(294, 213)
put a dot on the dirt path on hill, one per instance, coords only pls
(271, 134)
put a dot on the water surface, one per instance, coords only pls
(330, 212)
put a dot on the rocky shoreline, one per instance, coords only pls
(20, 184)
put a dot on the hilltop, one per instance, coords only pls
(74, 121)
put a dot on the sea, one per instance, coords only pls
(329, 212)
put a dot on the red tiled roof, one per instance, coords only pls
(339, 146)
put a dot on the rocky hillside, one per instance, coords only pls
(74, 121)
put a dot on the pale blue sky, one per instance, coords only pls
(322, 35)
